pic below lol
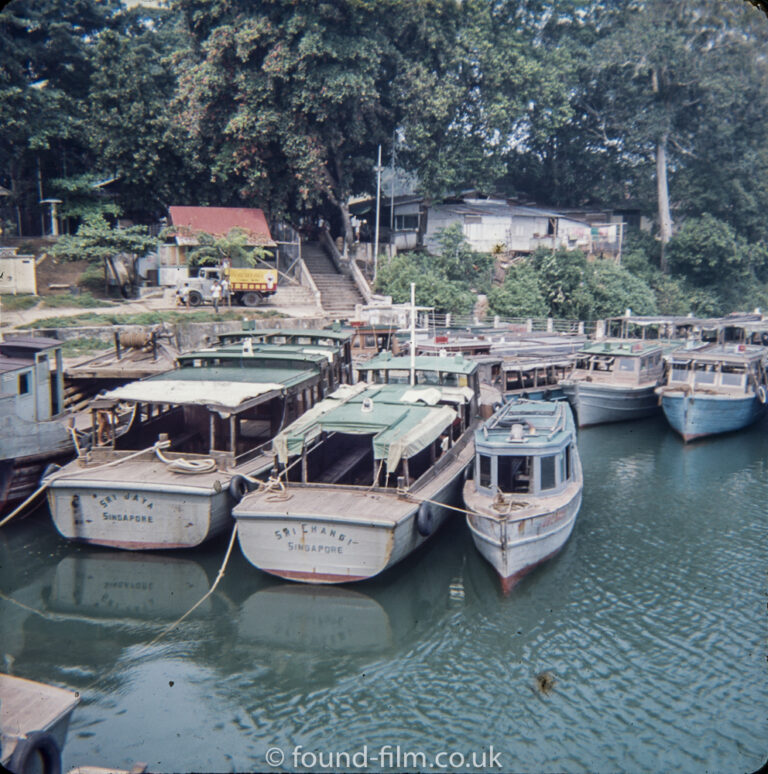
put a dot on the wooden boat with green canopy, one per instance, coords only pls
(194, 441)
(304, 339)
(367, 473)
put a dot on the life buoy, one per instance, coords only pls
(238, 488)
(38, 745)
(762, 396)
(49, 469)
(425, 522)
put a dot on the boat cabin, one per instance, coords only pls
(730, 368)
(533, 375)
(384, 432)
(525, 448)
(368, 340)
(31, 375)
(247, 355)
(628, 362)
(327, 339)
(227, 413)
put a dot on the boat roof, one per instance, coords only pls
(225, 388)
(623, 347)
(385, 361)
(737, 354)
(261, 356)
(400, 423)
(26, 346)
(290, 333)
(542, 424)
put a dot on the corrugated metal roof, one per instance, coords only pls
(219, 221)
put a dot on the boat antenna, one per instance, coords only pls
(413, 334)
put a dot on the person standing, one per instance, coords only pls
(216, 295)
(225, 294)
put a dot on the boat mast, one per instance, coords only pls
(413, 333)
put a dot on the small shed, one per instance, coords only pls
(17, 272)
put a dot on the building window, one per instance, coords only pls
(24, 383)
(407, 222)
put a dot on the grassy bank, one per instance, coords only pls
(146, 318)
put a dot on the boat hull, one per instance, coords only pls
(596, 404)
(341, 534)
(698, 415)
(135, 517)
(517, 543)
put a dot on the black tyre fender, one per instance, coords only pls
(425, 521)
(469, 471)
(238, 488)
(38, 744)
(49, 469)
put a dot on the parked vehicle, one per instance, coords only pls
(247, 287)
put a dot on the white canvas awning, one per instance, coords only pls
(220, 394)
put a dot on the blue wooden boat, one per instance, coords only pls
(714, 388)
(614, 381)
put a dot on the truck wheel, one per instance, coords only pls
(251, 299)
(195, 299)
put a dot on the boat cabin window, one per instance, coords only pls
(513, 474)
(24, 383)
(567, 456)
(732, 377)
(485, 471)
(627, 364)
(548, 480)
(704, 373)
(678, 373)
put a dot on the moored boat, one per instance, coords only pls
(33, 427)
(527, 485)
(715, 388)
(614, 381)
(368, 471)
(195, 439)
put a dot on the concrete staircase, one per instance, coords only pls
(338, 292)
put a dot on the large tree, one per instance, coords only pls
(292, 99)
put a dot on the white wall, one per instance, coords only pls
(17, 274)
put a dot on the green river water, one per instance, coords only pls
(641, 647)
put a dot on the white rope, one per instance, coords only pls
(24, 504)
(183, 465)
(73, 433)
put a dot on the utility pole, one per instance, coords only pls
(392, 192)
(378, 197)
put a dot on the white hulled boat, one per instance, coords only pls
(527, 486)
(195, 438)
(368, 472)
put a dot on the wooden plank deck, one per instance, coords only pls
(27, 706)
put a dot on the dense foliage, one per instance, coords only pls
(655, 105)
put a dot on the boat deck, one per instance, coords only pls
(27, 706)
(150, 472)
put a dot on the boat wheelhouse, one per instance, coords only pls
(368, 473)
(302, 339)
(33, 427)
(527, 486)
(193, 442)
(714, 389)
(614, 381)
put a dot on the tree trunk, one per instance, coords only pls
(662, 190)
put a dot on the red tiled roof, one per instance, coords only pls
(219, 221)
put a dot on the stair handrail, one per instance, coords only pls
(361, 282)
(307, 279)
